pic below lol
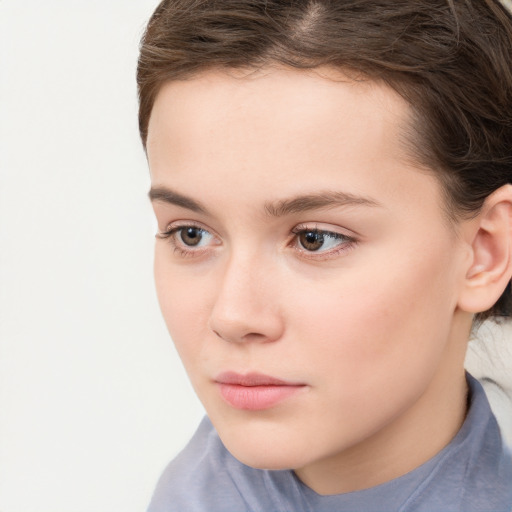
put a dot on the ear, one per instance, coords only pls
(490, 269)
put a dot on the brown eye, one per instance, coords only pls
(191, 236)
(311, 240)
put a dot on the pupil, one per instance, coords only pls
(312, 240)
(191, 236)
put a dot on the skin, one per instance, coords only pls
(369, 323)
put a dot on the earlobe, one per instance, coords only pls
(491, 245)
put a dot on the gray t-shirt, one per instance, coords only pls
(472, 474)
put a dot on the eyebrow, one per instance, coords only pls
(322, 200)
(281, 208)
(166, 195)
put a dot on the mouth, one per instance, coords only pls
(254, 391)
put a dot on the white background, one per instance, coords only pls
(93, 399)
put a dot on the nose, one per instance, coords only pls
(246, 307)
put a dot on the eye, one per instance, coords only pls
(319, 241)
(189, 240)
(193, 236)
(311, 240)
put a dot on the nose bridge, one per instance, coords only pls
(246, 307)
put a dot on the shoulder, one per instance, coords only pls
(206, 477)
(488, 477)
(489, 359)
(475, 471)
(196, 471)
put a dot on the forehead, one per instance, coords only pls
(288, 129)
(275, 104)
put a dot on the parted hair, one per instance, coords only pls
(451, 60)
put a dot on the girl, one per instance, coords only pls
(332, 184)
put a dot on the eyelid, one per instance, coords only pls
(172, 227)
(324, 228)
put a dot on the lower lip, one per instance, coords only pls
(256, 398)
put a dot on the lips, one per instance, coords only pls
(254, 391)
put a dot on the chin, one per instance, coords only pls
(262, 451)
(266, 458)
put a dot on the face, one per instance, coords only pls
(305, 269)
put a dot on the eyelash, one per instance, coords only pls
(184, 251)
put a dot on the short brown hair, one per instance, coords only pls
(450, 59)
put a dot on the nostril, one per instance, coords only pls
(236, 326)
(241, 338)
(254, 336)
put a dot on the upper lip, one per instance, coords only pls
(251, 379)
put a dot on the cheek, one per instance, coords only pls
(371, 344)
(183, 301)
(380, 319)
